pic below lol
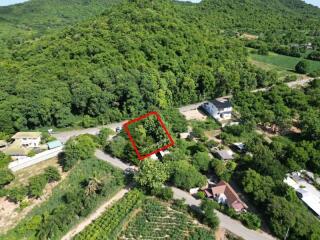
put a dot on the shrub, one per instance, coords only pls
(79, 148)
(52, 174)
(104, 135)
(201, 195)
(6, 176)
(17, 194)
(165, 193)
(36, 185)
(302, 67)
(209, 216)
(251, 220)
(32, 153)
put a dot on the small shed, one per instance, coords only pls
(225, 154)
(54, 144)
(239, 146)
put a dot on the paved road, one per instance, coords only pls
(112, 160)
(66, 135)
(226, 222)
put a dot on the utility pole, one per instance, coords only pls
(287, 233)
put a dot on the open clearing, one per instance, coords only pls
(22, 176)
(285, 65)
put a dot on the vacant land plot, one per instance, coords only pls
(283, 64)
(194, 114)
(22, 176)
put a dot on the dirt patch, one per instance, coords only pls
(194, 115)
(10, 213)
(220, 234)
(22, 176)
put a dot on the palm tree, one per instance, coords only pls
(93, 186)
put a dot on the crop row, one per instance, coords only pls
(158, 221)
(106, 226)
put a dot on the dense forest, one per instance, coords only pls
(135, 56)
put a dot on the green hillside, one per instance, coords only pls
(136, 56)
(36, 17)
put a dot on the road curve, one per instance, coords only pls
(226, 222)
(116, 162)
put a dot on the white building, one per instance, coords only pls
(28, 139)
(305, 191)
(220, 109)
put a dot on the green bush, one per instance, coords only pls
(79, 148)
(36, 185)
(165, 193)
(251, 220)
(201, 195)
(52, 174)
(17, 194)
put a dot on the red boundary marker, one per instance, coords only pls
(126, 128)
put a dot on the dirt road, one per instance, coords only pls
(97, 213)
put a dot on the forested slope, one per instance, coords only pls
(32, 19)
(136, 56)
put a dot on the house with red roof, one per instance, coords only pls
(223, 193)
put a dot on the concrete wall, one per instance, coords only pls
(29, 161)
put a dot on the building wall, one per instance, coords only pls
(31, 142)
(222, 114)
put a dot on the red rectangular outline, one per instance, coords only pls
(126, 128)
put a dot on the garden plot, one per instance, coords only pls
(158, 221)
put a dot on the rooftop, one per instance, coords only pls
(54, 144)
(222, 103)
(225, 154)
(26, 135)
(16, 149)
(306, 191)
(227, 190)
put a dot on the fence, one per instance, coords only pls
(29, 161)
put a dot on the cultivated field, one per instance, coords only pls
(285, 65)
(156, 220)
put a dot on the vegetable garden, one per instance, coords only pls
(159, 221)
(109, 224)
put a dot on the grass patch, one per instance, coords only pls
(282, 64)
